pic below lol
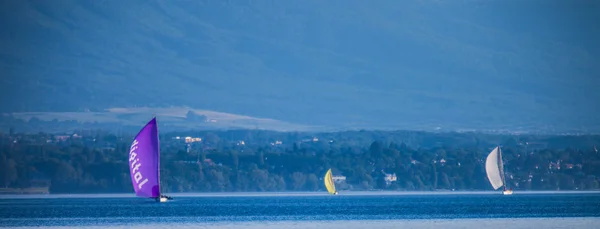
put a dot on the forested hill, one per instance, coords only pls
(482, 64)
(95, 162)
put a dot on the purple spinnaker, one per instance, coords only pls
(144, 161)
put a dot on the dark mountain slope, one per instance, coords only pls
(394, 64)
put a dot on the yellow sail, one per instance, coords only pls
(329, 183)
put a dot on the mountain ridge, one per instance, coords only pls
(470, 64)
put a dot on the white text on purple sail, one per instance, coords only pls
(134, 166)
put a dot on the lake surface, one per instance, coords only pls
(581, 210)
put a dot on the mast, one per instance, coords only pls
(158, 156)
(501, 166)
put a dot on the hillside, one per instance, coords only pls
(173, 118)
(346, 64)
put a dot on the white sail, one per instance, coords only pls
(493, 170)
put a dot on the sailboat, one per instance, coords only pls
(495, 170)
(144, 163)
(329, 183)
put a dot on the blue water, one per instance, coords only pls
(130, 211)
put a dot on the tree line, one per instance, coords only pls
(235, 161)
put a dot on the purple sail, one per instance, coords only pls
(144, 161)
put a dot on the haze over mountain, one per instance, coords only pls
(340, 63)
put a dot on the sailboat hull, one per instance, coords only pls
(507, 192)
(163, 199)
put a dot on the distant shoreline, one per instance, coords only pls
(274, 194)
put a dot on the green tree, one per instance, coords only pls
(9, 171)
